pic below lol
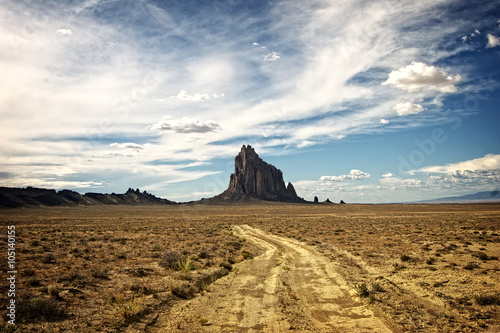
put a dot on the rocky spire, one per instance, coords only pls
(255, 178)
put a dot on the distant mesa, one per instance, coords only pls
(253, 179)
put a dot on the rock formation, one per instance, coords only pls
(254, 178)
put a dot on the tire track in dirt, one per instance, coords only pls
(251, 300)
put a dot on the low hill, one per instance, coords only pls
(32, 196)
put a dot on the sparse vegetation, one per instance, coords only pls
(38, 307)
(488, 299)
(48, 258)
(171, 260)
(129, 309)
(405, 257)
(362, 290)
(445, 252)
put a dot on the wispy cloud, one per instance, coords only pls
(488, 162)
(273, 56)
(64, 32)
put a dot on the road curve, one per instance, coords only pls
(288, 286)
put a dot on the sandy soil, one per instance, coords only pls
(268, 268)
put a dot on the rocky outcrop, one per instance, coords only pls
(31, 196)
(254, 178)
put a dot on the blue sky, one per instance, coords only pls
(365, 101)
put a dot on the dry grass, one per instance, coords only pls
(102, 268)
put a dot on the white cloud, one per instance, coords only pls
(273, 56)
(493, 41)
(355, 174)
(255, 44)
(407, 108)
(186, 125)
(64, 32)
(389, 175)
(488, 162)
(384, 121)
(419, 76)
(184, 96)
(130, 145)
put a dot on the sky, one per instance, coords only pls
(363, 101)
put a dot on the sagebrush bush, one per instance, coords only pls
(36, 307)
(491, 299)
(363, 290)
(171, 260)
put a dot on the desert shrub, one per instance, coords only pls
(183, 290)
(121, 256)
(235, 244)
(33, 281)
(156, 247)
(38, 307)
(48, 258)
(431, 261)
(470, 266)
(99, 273)
(227, 265)
(377, 287)
(53, 290)
(140, 289)
(7, 328)
(246, 254)
(129, 309)
(185, 265)
(362, 290)
(27, 272)
(488, 299)
(171, 259)
(202, 321)
(405, 257)
(203, 254)
(484, 257)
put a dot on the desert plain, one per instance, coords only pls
(271, 267)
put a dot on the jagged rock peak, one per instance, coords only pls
(256, 178)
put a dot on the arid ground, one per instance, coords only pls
(270, 268)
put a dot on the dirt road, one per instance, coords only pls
(288, 286)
